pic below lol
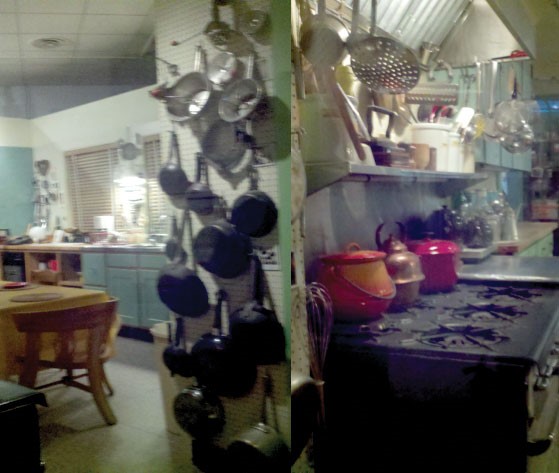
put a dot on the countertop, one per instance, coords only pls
(537, 269)
(83, 248)
(528, 234)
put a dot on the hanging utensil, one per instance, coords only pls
(490, 131)
(190, 95)
(173, 246)
(323, 38)
(218, 364)
(172, 178)
(382, 64)
(241, 98)
(260, 448)
(200, 197)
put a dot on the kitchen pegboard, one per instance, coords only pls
(184, 22)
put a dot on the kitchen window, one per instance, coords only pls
(95, 186)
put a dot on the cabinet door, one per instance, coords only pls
(93, 269)
(123, 284)
(152, 309)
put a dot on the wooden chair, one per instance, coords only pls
(89, 349)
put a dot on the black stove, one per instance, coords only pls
(508, 323)
(446, 385)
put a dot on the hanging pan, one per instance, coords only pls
(225, 146)
(200, 197)
(190, 95)
(255, 329)
(242, 97)
(222, 250)
(218, 364)
(223, 68)
(382, 64)
(173, 246)
(179, 287)
(260, 448)
(199, 412)
(172, 177)
(175, 357)
(254, 213)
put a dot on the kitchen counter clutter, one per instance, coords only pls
(529, 234)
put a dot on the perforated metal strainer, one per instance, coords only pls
(382, 64)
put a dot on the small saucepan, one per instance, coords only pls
(199, 412)
(254, 213)
(218, 364)
(222, 250)
(175, 356)
(256, 329)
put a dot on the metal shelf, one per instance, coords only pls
(321, 175)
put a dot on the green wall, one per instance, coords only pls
(16, 188)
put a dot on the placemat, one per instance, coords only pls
(47, 296)
(28, 286)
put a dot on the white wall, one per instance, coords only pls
(15, 132)
(96, 123)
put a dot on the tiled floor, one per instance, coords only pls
(75, 439)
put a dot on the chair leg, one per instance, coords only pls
(96, 376)
(107, 383)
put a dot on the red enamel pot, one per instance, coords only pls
(439, 262)
(358, 283)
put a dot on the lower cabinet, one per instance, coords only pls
(543, 247)
(132, 278)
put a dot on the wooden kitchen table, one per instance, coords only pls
(11, 341)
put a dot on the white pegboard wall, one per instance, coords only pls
(178, 20)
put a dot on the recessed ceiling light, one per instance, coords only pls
(50, 43)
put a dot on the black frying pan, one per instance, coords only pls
(255, 329)
(172, 177)
(201, 199)
(218, 364)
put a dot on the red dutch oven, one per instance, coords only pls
(439, 261)
(358, 283)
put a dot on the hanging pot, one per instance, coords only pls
(224, 146)
(200, 197)
(260, 448)
(254, 213)
(189, 96)
(199, 412)
(172, 178)
(223, 68)
(175, 357)
(180, 288)
(358, 283)
(242, 97)
(222, 250)
(255, 329)
(219, 365)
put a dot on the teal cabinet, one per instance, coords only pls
(543, 247)
(132, 278)
(123, 284)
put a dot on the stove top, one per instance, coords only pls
(506, 322)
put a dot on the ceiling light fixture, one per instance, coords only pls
(50, 43)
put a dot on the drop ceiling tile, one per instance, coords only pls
(48, 24)
(8, 23)
(47, 55)
(116, 43)
(9, 42)
(113, 24)
(8, 6)
(51, 6)
(120, 7)
(26, 41)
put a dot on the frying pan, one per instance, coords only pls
(240, 98)
(260, 448)
(199, 412)
(382, 64)
(256, 329)
(219, 366)
(180, 288)
(173, 246)
(222, 250)
(172, 177)
(200, 197)
(254, 213)
(190, 95)
(224, 146)
(175, 356)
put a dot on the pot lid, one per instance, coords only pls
(428, 246)
(354, 257)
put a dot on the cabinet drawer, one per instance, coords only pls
(151, 261)
(122, 260)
